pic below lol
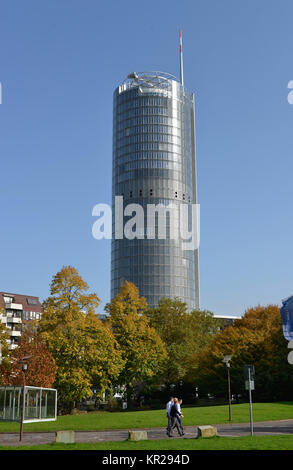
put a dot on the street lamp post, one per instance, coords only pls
(23, 365)
(23, 369)
(227, 360)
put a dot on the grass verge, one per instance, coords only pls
(156, 418)
(284, 442)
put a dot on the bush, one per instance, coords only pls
(76, 411)
(113, 404)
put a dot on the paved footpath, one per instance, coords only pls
(228, 430)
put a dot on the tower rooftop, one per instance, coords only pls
(154, 79)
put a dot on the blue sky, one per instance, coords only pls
(60, 62)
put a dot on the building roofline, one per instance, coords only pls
(228, 317)
(23, 295)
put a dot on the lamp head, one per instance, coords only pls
(227, 359)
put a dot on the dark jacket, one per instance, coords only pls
(174, 412)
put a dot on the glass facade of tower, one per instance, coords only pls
(154, 163)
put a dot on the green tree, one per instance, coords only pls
(184, 333)
(85, 351)
(143, 351)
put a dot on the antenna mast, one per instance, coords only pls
(181, 59)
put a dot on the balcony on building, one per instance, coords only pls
(13, 343)
(12, 306)
(15, 331)
(13, 319)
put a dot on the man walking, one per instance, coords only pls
(180, 416)
(168, 413)
(175, 414)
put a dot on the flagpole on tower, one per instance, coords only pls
(181, 59)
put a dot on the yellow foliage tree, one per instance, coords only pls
(143, 351)
(85, 351)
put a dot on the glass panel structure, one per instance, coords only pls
(154, 162)
(40, 404)
(10, 403)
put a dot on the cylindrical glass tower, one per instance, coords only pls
(154, 163)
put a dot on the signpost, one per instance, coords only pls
(227, 360)
(249, 385)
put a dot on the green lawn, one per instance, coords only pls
(156, 418)
(215, 443)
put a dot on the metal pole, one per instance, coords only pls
(250, 402)
(229, 391)
(22, 410)
(181, 59)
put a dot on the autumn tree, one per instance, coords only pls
(84, 349)
(41, 366)
(143, 351)
(256, 338)
(183, 333)
(4, 350)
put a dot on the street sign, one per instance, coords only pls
(249, 386)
